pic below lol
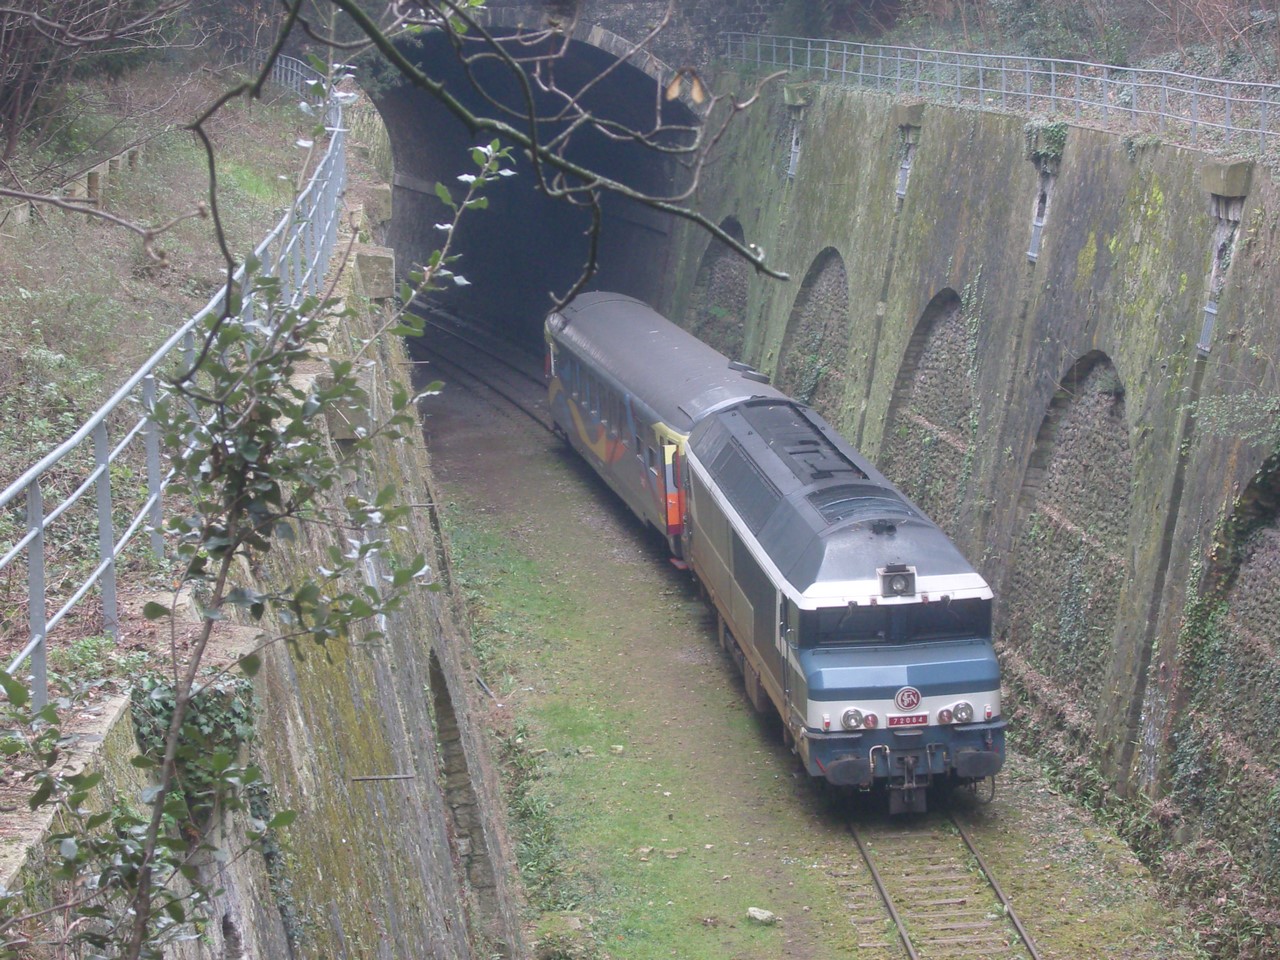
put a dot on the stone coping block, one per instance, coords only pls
(908, 114)
(375, 271)
(1227, 179)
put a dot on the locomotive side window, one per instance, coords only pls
(570, 373)
(791, 614)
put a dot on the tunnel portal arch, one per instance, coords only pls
(526, 245)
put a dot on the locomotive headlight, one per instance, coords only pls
(963, 711)
(851, 719)
(897, 580)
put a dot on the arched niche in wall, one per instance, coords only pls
(1068, 566)
(929, 442)
(811, 366)
(1222, 764)
(720, 294)
(470, 848)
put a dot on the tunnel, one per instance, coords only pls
(526, 247)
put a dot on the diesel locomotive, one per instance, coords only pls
(846, 609)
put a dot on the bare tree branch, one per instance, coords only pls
(537, 150)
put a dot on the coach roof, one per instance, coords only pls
(673, 372)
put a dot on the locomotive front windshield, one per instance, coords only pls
(896, 623)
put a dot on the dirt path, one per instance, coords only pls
(673, 807)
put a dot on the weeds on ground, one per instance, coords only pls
(82, 305)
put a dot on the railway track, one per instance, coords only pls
(941, 899)
(478, 359)
(925, 893)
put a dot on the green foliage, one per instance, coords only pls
(251, 468)
(218, 722)
(1045, 139)
(90, 659)
(96, 849)
(1134, 144)
(1062, 31)
(1251, 416)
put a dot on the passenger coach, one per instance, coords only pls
(843, 605)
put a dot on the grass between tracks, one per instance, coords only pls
(652, 808)
(633, 839)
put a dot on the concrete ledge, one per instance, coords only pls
(100, 738)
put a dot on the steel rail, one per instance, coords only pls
(447, 360)
(460, 367)
(1027, 939)
(884, 894)
(453, 331)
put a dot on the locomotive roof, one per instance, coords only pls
(821, 512)
(677, 375)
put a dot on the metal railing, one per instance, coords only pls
(1173, 105)
(297, 254)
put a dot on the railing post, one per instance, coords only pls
(155, 484)
(1195, 110)
(296, 290)
(308, 252)
(189, 359)
(106, 530)
(35, 597)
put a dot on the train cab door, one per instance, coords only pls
(784, 641)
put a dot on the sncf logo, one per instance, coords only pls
(908, 698)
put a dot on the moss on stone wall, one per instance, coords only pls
(1064, 399)
(373, 865)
